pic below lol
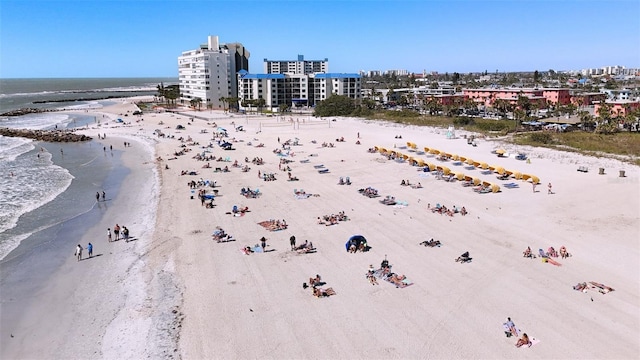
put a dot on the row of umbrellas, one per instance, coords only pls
(461, 159)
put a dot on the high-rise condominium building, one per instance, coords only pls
(209, 72)
(300, 66)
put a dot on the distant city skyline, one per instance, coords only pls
(143, 38)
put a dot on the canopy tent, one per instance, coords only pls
(357, 241)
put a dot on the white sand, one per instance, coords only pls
(253, 306)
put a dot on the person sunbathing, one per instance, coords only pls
(524, 340)
(563, 252)
(527, 253)
(397, 280)
(464, 257)
(318, 292)
(315, 281)
(581, 286)
(371, 277)
(552, 252)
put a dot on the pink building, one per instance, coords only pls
(539, 96)
(586, 99)
(619, 107)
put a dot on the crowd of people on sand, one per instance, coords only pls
(332, 219)
(219, 235)
(369, 192)
(255, 160)
(385, 273)
(305, 247)
(80, 249)
(510, 330)
(443, 210)
(315, 284)
(250, 194)
(274, 225)
(550, 253)
(601, 288)
(407, 183)
(266, 176)
(431, 243)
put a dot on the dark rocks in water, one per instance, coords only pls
(23, 111)
(45, 135)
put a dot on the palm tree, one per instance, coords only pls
(224, 100)
(161, 91)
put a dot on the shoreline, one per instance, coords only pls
(71, 301)
(176, 293)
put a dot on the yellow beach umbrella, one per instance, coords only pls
(499, 170)
(535, 179)
(426, 149)
(517, 175)
(495, 188)
(501, 151)
(455, 157)
(469, 161)
(459, 175)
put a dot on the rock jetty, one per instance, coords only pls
(45, 135)
(23, 111)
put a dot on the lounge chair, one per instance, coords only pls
(323, 171)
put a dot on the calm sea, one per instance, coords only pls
(30, 175)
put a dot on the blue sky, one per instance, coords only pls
(143, 38)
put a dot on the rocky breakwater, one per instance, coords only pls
(45, 135)
(24, 111)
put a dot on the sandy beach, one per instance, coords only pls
(175, 292)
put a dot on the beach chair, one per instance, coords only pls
(323, 171)
(318, 166)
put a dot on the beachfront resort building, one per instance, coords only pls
(300, 66)
(209, 72)
(540, 96)
(296, 90)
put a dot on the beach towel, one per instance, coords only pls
(533, 341)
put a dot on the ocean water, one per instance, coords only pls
(52, 93)
(34, 176)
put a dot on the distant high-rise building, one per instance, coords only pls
(209, 72)
(300, 66)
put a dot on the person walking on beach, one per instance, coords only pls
(549, 189)
(90, 249)
(125, 233)
(116, 231)
(97, 196)
(79, 252)
(104, 196)
(263, 243)
(109, 234)
(534, 186)
(292, 241)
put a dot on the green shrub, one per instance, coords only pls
(463, 121)
(541, 137)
